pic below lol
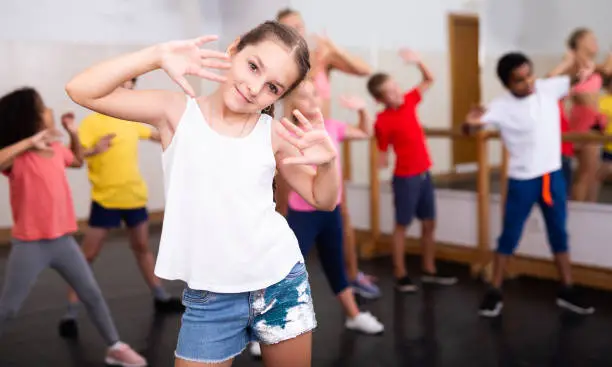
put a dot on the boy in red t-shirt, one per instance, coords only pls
(413, 191)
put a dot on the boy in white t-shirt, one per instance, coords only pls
(528, 120)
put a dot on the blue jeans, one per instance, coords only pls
(522, 195)
(325, 230)
(217, 326)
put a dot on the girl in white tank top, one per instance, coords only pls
(245, 276)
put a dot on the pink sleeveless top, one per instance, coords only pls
(591, 85)
(584, 118)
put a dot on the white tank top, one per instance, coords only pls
(221, 232)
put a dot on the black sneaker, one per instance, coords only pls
(405, 285)
(438, 278)
(570, 300)
(68, 329)
(492, 304)
(171, 305)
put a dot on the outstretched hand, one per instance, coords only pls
(42, 140)
(585, 70)
(409, 56)
(181, 58)
(310, 138)
(475, 114)
(68, 122)
(104, 143)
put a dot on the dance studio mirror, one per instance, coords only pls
(545, 30)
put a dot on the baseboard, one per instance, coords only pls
(591, 276)
(155, 218)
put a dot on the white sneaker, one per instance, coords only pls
(365, 323)
(255, 349)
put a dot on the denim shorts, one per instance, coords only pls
(217, 326)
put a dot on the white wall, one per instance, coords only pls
(540, 29)
(44, 43)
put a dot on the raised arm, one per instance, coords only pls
(99, 87)
(411, 57)
(606, 67)
(473, 120)
(75, 143)
(364, 126)
(337, 58)
(576, 70)
(383, 140)
(297, 150)
(40, 141)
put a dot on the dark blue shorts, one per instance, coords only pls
(101, 217)
(606, 156)
(413, 196)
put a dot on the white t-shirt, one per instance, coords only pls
(530, 128)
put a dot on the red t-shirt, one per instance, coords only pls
(402, 129)
(567, 148)
(41, 201)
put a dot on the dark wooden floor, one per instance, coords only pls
(436, 327)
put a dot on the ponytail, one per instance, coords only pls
(268, 110)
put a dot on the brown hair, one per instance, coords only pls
(576, 36)
(375, 82)
(285, 13)
(268, 110)
(288, 37)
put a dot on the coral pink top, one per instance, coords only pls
(41, 200)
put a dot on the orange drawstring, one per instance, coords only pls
(546, 195)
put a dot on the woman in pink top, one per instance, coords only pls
(325, 228)
(43, 214)
(584, 115)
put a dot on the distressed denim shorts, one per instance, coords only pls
(217, 326)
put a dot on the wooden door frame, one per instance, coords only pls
(453, 19)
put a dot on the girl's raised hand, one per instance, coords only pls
(42, 140)
(310, 138)
(68, 122)
(181, 58)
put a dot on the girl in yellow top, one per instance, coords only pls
(118, 194)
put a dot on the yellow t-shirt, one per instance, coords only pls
(605, 107)
(115, 178)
